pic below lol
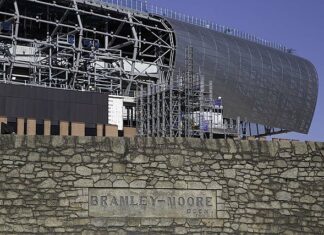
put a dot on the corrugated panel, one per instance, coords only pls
(259, 83)
(54, 104)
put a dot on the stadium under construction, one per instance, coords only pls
(124, 67)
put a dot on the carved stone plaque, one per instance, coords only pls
(152, 203)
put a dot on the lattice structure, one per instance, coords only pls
(82, 45)
(182, 107)
(126, 48)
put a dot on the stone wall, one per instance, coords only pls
(260, 187)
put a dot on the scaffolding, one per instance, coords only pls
(96, 46)
(81, 45)
(182, 107)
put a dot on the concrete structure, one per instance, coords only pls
(98, 185)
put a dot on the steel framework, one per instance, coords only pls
(183, 107)
(90, 45)
(84, 46)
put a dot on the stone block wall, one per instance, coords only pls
(260, 187)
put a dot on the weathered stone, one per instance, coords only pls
(50, 167)
(64, 202)
(222, 215)
(27, 169)
(181, 185)
(33, 157)
(57, 141)
(250, 183)
(262, 205)
(83, 183)
(318, 159)
(281, 163)
(103, 184)
(75, 159)
(160, 158)
(66, 167)
(180, 230)
(316, 208)
(53, 222)
(11, 195)
(118, 145)
(119, 168)
(283, 196)
(232, 183)
(285, 144)
(307, 199)
(60, 159)
(139, 159)
(214, 185)
(13, 174)
(165, 222)
(120, 184)
(215, 166)
(322, 153)
(150, 221)
(285, 155)
(196, 185)
(293, 185)
(68, 152)
(42, 174)
(82, 170)
(228, 156)
(300, 147)
(176, 160)
(303, 165)
(138, 184)
(164, 184)
(290, 174)
(49, 183)
(195, 160)
(232, 146)
(229, 173)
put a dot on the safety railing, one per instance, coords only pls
(143, 7)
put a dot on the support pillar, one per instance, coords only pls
(3, 119)
(77, 129)
(64, 128)
(111, 130)
(100, 130)
(20, 126)
(129, 132)
(47, 127)
(31, 126)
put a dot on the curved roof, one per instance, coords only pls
(259, 83)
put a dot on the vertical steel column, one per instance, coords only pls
(171, 111)
(135, 52)
(148, 110)
(164, 114)
(78, 57)
(201, 106)
(153, 111)
(158, 124)
(142, 110)
(212, 109)
(14, 39)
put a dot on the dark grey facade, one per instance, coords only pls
(259, 83)
(53, 104)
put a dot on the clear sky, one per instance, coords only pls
(298, 24)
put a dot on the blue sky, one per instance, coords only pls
(298, 24)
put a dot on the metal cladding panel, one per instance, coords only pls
(259, 83)
(54, 104)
